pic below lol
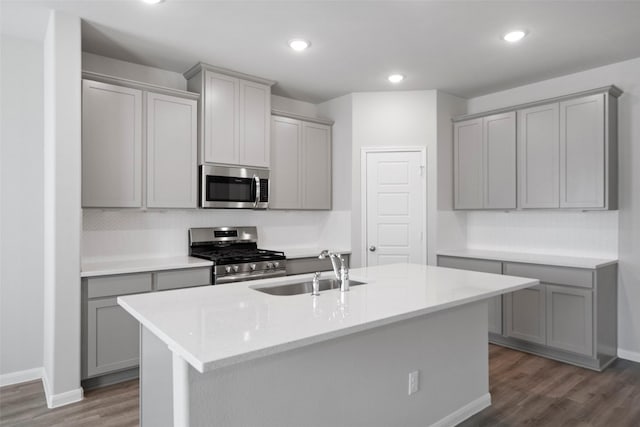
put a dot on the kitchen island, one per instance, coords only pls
(230, 355)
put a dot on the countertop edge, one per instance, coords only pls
(530, 258)
(202, 366)
(145, 266)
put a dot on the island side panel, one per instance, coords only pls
(156, 381)
(358, 380)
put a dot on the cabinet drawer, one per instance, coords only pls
(182, 278)
(582, 278)
(482, 265)
(122, 284)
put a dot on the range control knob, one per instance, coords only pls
(227, 269)
(252, 267)
(235, 268)
(276, 264)
(269, 265)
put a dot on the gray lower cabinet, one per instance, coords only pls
(484, 266)
(570, 316)
(570, 319)
(310, 265)
(110, 335)
(525, 314)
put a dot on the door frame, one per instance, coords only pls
(364, 152)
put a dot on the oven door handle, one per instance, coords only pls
(257, 181)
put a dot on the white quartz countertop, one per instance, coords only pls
(217, 326)
(105, 268)
(530, 258)
(293, 253)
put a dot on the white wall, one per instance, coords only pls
(394, 119)
(451, 225)
(62, 214)
(591, 229)
(21, 210)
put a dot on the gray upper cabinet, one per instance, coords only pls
(301, 164)
(111, 145)
(566, 155)
(582, 152)
(116, 151)
(316, 166)
(235, 116)
(286, 189)
(499, 148)
(171, 152)
(538, 157)
(484, 163)
(468, 165)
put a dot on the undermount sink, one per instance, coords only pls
(304, 287)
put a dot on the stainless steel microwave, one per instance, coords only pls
(233, 187)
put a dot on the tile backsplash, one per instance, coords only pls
(122, 234)
(589, 234)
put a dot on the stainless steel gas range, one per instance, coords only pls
(235, 254)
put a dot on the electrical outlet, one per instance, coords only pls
(414, 380)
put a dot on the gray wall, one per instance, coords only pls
(21, 195)
(626, 75)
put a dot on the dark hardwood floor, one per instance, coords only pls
(526, 391)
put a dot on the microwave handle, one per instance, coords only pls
(257, 180)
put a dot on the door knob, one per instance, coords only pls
(372, 248)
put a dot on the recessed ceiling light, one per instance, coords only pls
(395, 78)
(152, 1)
(299, 44)
(514, 36)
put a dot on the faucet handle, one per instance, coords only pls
(315, 284)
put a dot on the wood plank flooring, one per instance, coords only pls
(526, 390)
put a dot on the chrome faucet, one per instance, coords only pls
(342, 274)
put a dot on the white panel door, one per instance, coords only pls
(171, 152)
(111, 146)
(395, 184)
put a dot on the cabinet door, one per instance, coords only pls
(582, 152)
(525, 314)
(468, 165)
(570, 319)
(499, 140)
(255, 113)
(538, 157)
(111, 338)
(221, 116)
(285, 190)
(171, 152)
(111, 145)
(485, 266)
(316, 166)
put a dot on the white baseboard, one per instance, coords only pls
(60, 399)
(20, 376)
(465, 412)
(634, 356)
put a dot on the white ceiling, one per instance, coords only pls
(453, 46)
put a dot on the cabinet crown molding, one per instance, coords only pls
(281, 113)
(134, 84)
(611, 90)
(202, 66)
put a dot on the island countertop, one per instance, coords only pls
(217, 326)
